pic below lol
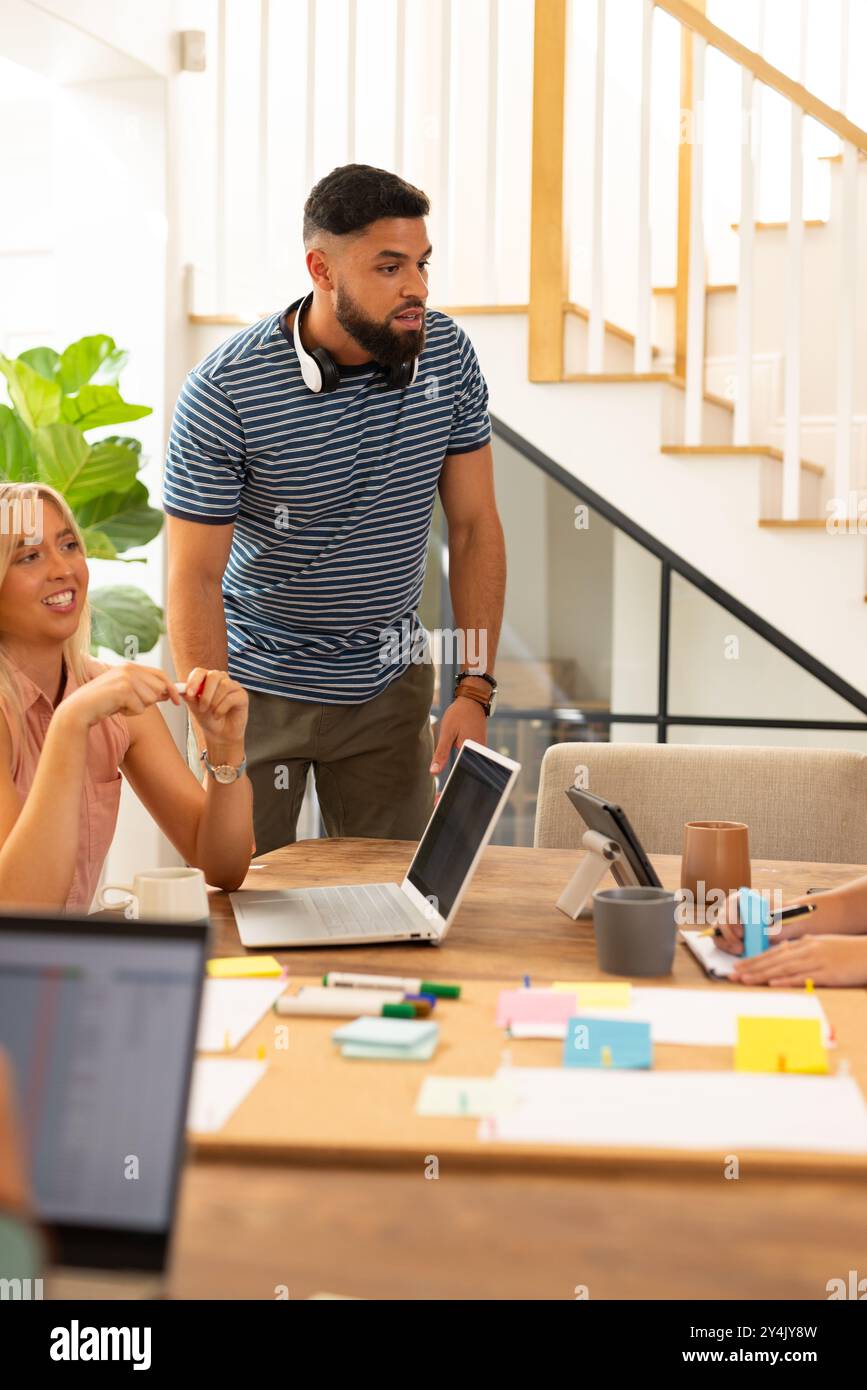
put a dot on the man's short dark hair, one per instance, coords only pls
(353, 196)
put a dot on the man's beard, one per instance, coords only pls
(388, 346)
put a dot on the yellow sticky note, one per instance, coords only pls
(244, 967)
(780, 1045)
(597, 994)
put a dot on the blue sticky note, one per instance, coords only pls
(755, 915)
(607, 1042)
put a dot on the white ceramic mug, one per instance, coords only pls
(166, 894)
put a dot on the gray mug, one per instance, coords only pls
(635, 930)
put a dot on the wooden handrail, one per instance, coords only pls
(765, 72)
(549, 277)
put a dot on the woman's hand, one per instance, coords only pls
(731, 932)
(219, 706)
(826, 960)
(128, 689)
(731, 937)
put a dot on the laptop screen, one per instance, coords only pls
(99, 1021)
(458, 827)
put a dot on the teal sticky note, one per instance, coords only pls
(419, 1052)
(607, 1042)
(755, 915)
(393, 1033)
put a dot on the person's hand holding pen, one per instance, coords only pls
(219, 706)
(791, 922)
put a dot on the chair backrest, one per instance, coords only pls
(799, 803)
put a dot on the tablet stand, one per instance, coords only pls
(602, 856)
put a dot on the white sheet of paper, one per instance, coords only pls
(463, 1095)
(716, 962)
(219, 1086)
(230, 1008)
(726, 1112)
(696, 1017)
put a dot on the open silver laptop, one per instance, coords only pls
(423, 907)
(99, 1019)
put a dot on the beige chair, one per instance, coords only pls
(799, 803)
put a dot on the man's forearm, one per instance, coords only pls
(197, 627)
(477, 581)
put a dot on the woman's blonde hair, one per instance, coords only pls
(21, 517)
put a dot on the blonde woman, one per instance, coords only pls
(70, 726)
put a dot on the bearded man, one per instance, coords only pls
(303, 465)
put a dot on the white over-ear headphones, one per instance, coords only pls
(322, 374)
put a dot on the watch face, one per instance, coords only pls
(224, 773)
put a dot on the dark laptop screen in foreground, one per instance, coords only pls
(458, 828)
(99, 1021)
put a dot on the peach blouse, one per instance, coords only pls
(107, 743)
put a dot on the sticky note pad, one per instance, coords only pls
(607, 1042)
(244, 967)
(392, 1033)
(780, 1044)
(534, 1006)
(597, 994)
(417, 1052)
(755, 914)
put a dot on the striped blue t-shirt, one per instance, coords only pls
(331, 498)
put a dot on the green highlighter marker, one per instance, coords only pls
(348, 981)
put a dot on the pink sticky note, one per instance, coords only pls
(535, 1006)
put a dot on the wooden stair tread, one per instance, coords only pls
(801, 524)
(615, 376)
(781, 226)
(708, 289)
(765, 450)
(665, 377)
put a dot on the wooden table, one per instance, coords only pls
(345, 1206)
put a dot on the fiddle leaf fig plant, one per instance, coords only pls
(55, 398)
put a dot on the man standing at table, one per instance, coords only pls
(300, 481)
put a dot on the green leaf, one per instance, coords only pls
(120, 612)
(67, 462)
(43, 360)
(80, 360)
(99, 405)
(118, 464)
(17, 461)
(125, 440)
(111, 367)
(97, 544)
(124, 518)
(36, 400)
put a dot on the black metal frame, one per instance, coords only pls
(671, 563)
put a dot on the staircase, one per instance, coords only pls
(728, 419)
(622, 436)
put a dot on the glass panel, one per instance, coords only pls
(634, 733)
(580, 630)
(768, 738)
(527, 740)
(720, 668)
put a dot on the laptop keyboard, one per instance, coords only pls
(360, 911)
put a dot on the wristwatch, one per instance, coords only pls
(224, 773)
(487, 705)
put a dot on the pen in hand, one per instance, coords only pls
(786, 914)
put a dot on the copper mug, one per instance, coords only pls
(716, 853)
